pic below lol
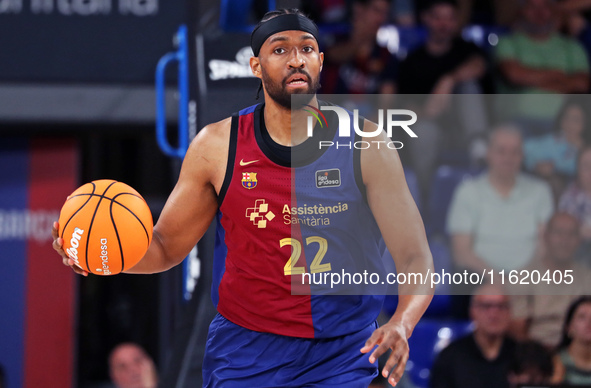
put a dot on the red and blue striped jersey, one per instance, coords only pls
(283, 214)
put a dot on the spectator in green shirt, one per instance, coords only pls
(539, 63)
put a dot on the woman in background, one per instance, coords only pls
(576, 200)
(553, 156)
(574, 351)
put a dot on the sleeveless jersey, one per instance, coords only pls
(280, 217)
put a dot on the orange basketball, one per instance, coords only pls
(106, 227)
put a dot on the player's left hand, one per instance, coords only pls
(390, 336)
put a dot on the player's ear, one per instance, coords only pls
(321, 60)
(255, 67)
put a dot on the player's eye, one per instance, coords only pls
(308, 49)
(279, 50)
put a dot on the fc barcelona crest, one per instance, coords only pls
(249, 180)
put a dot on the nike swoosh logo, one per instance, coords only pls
(243, 163)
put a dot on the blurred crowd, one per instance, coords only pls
(528, 48)
(505, 110)
(491, 356)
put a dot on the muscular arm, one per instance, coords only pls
(402, 229)
(191, 206)
(189, 209)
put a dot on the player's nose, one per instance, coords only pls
(296, 59)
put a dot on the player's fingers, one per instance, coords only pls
(58, 242)
(398, 371)
(76, 269)
(391, 363)
(57, 245)
(381, 349)
(399, 351)
(54, 230)
(372, 341)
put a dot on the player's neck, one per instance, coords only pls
(286, 127)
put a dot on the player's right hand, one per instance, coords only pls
(58, 244)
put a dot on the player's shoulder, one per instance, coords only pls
(212, 138)
(209, 150)
(216, 131)
(374, 134)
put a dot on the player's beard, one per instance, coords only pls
(281, 96)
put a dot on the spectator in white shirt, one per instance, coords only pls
(496, 218)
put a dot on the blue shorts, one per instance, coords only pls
(239, 357)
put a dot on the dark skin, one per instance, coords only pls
(184, 220)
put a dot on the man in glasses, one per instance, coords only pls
(479, 359)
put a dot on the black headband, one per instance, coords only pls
(285, 22)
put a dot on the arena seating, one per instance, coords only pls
(428, 339)
(445, 181)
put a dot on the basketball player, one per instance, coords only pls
(242, 171)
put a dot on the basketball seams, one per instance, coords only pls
(80, 208)
(114, 201)
(95, 220)
(132, 213)
(92, 221)
(117, 232)
(102, 195)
